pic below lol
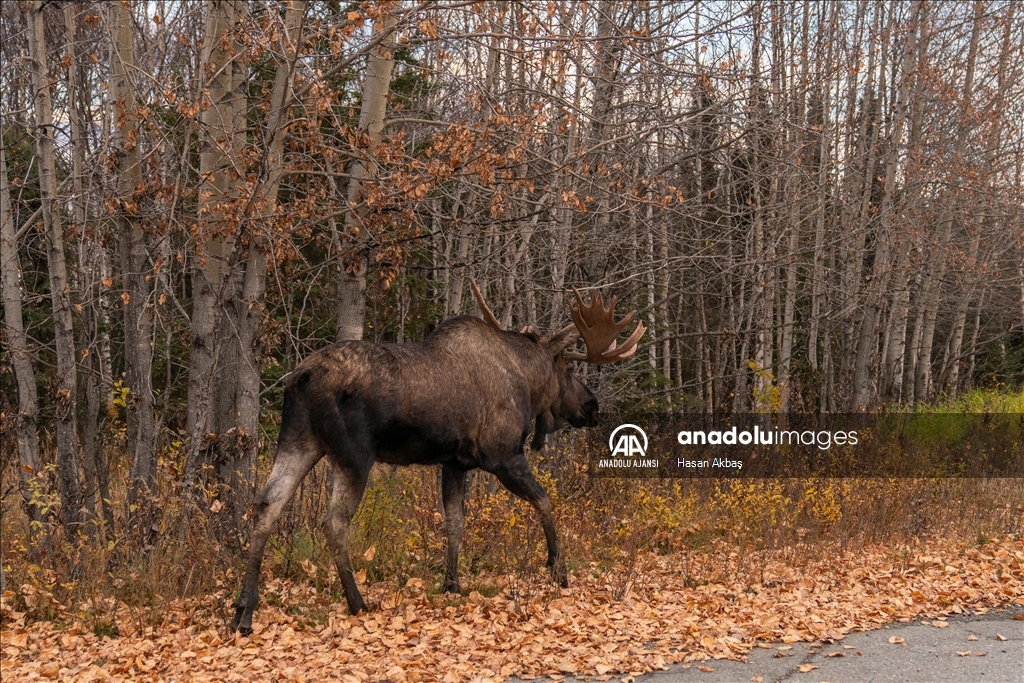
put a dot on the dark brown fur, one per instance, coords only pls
(463, 398)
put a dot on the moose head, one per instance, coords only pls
(595, 324)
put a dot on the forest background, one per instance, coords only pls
(815, 206)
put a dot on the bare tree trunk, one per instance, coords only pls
(930, 308)
(822, 121)
(138, 310)
(376, 82)
(894, 348)
(221, 140)
(802, 151)
(971, 278)
(863, 180)
(563, 232)
(96, 495)
(66, 380)
(238, 409)
(867, 343)
(972, 357)
(17, 346)
(951, 361)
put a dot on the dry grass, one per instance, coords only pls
(603, 523)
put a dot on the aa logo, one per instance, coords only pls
(625, 442)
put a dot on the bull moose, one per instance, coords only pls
(463, 398)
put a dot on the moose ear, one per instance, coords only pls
(561, 340)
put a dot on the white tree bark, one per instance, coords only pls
(376, 83)
(137, 309)
(25, 429)
(66, 385)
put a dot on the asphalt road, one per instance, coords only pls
(926, 654)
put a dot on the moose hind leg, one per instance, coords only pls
(294, 460)
(453, 488)
(516, 476)
(347, 488)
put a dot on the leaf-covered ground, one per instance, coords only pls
(609, 624)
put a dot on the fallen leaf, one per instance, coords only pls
(705, 669)
(514, 632)
(896, 640)
(1018, 617)
(370, 552)
(804, 668)
(757, 679)
(1000, 636)
(309, 568)
(940, 624)
(965, 653)
(835, 654)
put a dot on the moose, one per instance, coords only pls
(464, 398)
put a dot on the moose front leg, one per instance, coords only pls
(346, 491)
(453, 490)
(295, 458)
(516, 476)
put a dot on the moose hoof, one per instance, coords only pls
(560, 575)
(242, 622)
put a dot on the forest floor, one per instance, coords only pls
(612, 623)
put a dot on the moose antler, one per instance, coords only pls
(485, 310)
(597, 326)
